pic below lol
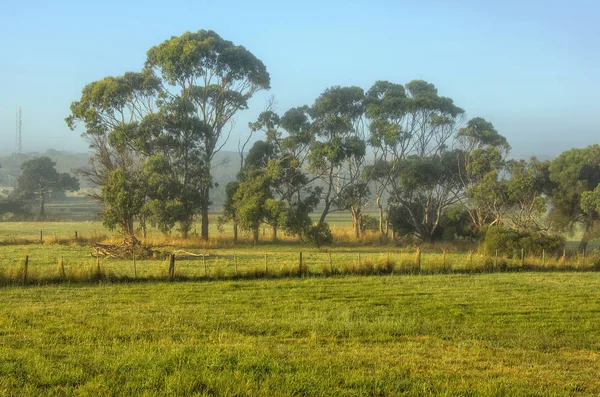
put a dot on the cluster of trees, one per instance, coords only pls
(154, 133)
(38, 183)
(430, 173)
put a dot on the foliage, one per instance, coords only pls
(39, 180)
(216, 78)
(509, 242)
(426, 187)
(319, 235)
(574, 175)
(124, 195)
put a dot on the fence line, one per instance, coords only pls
(27, 271)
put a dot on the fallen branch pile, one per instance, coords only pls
(131, 246)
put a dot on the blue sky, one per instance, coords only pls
(530, 67)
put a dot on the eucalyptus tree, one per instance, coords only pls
(272, 178)
(337, 153)
(574, 176)
(527, 185)
(411, 128)
(482, 159)
(428, 186)
(385, 107)
(39, 181)
(170, 142)
(111, 110)
(218, 78)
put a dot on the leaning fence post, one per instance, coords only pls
(25, 269)
(172, 267)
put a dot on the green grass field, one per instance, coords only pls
(368, 323)
(489, 334)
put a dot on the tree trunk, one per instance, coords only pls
(325, 212)
(380, 214)
(235, 231)
(274, 233)
(204, 229)
(255, 236)
(587, 235)
(42, 209)
(356, 223)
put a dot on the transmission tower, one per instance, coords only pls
(18, 138)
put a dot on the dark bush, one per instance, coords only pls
(319, 235)
(509, 242)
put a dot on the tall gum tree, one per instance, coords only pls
(110, 111)
(337, 153)
(219, 78)
(575, 176)
(482, 155)
(411, 127)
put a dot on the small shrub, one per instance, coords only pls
(319, 235)
(368, 222)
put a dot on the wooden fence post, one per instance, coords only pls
(583, 259)
(470, 260)
(300, 264)
(76, 237)
(204, 262)
(41, 236)
(98, 265)
(235, 262)
(172, 267)
(359, 259)
(418, 259)
(330, 263)
(522, 257)
(134, 265)
(62, 268)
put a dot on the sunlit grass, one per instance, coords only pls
(488, 334)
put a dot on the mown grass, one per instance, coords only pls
(488, 334)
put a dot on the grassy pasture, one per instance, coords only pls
(459, 324)
(487, 334)
(217, 258)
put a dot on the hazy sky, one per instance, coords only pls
(530, 67)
